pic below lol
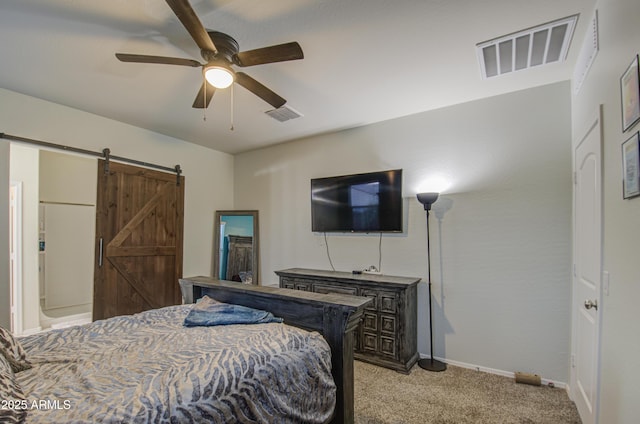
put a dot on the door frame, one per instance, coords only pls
(15, 259)
(593, 124)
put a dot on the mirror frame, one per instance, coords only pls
(255, 253)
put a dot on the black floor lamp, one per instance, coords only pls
(429, 364)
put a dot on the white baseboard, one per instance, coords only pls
(568, 389)
(545, 381)
(71, 321)
(30, 331)
(68, 321)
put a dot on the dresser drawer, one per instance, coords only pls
(388, 346)
(304, 286)
(326, 288)
(388, 302)
(370, 322)
(288, 285)
(369, 342)
(388, 324)
(296, 284)
(373, 295)
(286, 282)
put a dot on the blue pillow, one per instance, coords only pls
(209, 312)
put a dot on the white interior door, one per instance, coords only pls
(587, 273)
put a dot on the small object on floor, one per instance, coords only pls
(527, 378)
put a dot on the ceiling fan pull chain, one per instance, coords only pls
(231, 108)
(204, 99)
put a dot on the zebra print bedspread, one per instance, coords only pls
(148, 368)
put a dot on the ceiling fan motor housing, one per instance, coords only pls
(227, 47)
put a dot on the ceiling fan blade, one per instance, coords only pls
(259, 90)
(192, 23)
(200, 102)
(278, 53)
(143, 58)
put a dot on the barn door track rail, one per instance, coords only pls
(105, 154)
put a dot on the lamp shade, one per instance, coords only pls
(427, 199)
(219, 76)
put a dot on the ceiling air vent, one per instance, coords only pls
(541, 45)
(283, 113)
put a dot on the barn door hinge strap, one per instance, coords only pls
(178, 172)
(106, 152)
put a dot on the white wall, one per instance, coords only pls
(620, 345)
(67, 178)
(208, 173)
(500, 254)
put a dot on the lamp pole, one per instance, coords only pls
(429, 364)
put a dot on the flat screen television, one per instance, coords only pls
(366, 203)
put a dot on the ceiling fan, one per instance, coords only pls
(220, 51)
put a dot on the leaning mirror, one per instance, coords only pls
(235, 252)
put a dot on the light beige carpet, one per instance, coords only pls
(455, 396)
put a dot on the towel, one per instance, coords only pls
(209, 312)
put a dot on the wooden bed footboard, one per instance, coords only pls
(335, 316)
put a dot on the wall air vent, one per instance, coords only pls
(284, 113)
(541, 45)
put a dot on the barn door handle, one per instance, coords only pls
(100, 253)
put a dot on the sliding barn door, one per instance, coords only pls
(139, 225)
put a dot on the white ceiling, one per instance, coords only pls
(365, 60)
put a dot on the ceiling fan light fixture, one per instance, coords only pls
(219, 76)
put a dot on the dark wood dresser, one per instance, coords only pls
(387, 335)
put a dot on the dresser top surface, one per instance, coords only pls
(340, 275)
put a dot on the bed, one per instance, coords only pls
(149, 367)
